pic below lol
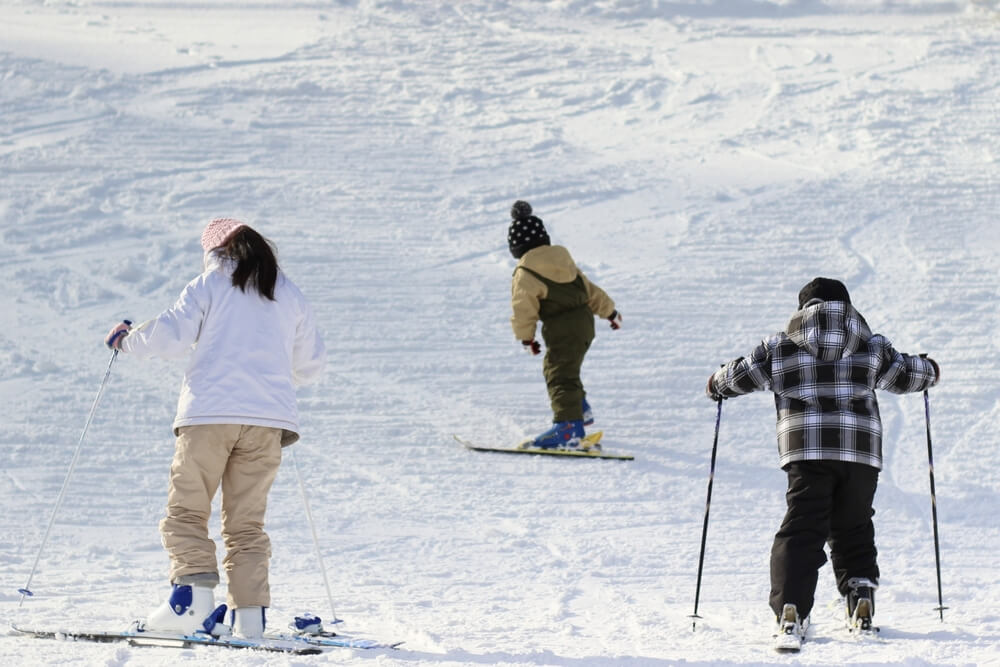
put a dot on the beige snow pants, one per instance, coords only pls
(245, 460)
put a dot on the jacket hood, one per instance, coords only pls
(211, 260)
(215, 260)
(828, 330)
(552, 261)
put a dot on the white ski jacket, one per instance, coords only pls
(247, 354)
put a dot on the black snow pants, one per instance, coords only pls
(828, 502)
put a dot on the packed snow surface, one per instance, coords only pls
(701, 160)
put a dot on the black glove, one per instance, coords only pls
(532, 346)
(616, 320)
(937, 369)
(710, 389)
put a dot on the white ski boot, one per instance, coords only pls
(248, 622)
(189, 609)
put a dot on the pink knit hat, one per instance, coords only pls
(218, 231)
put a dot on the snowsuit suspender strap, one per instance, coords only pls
(561, 297)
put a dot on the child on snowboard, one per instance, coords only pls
(824, 370)
(548, 286)
(249, 338)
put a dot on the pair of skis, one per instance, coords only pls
(590, 448)
(277, 642)
(789, 639)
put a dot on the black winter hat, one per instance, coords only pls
(824, 289)
(521, 210)
(526, 232)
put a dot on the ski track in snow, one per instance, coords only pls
(701, 160)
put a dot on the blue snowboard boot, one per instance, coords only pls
(588, 414)
(562, 435)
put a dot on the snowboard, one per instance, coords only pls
(592, 439)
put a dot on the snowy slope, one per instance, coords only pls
(702, 160)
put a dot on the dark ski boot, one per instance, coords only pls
(860, 603)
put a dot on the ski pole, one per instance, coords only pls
(312, 528)
(26, 591)
(930, 464)
(708, 505)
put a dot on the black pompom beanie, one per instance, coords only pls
(526, 231)
(824, 289)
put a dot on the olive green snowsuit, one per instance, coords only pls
(566, 309)
(567, 329)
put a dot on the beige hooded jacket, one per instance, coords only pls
(555, 263)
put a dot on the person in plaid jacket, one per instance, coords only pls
(824, 370)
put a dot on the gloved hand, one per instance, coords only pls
(616, 320)
(937, 369)
(532, 346)
(710, 389)
(114, 338)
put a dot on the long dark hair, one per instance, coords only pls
(255, 261)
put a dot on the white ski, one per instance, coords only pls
(166, 639)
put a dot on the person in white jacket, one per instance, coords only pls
(250, 339)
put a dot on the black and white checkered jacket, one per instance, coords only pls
(824, 371)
